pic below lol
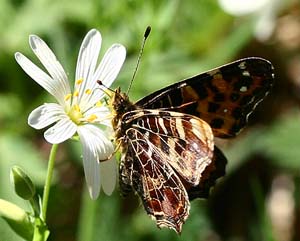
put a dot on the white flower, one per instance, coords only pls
(79, 111)
(264, 12)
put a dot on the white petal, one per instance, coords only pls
(111, 64)
(61, 131)
(53, 86)
(107, 71)
(87, 58)
(97, 140)
(48, 59)
(108, 173)
(46, 115)
(266, 21)
(95, 147)
(238, 8)
(91, 169)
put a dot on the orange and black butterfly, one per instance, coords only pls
(167, 138)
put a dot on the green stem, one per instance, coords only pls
(87, 217)
(41, 231)
(48, 181)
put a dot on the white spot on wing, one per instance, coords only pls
(246, 73)
(242, 65)
(243, 89)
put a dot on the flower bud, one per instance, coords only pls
(23, 185)
(17, 219)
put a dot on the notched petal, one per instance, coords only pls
(45, 115)
(92, 172)
(64, 129)
(51, 85)
(88, 55)
(50, 62)
(108, 69)
(96, 147)
(108, 173)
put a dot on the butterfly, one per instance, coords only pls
(168, 155)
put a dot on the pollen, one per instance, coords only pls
(88, 91)
(76, 93)
(99, 104)
(68, 97)
(79, 81)
(91, 118)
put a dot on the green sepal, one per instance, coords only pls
(22, 183)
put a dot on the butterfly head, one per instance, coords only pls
(120, 104)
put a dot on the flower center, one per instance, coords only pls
(75, 114)
(78, 105)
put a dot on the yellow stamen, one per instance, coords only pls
(88, 91)
(91, 118)
(79, 81)
(76, 93)
(99, 104)
(68, 97)
(76, 108)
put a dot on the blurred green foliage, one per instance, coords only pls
(187, 37)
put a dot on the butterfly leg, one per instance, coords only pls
(112, 154)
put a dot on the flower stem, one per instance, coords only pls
(87, 218)
(48, 180)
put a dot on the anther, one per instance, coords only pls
(91, 118)
(88, 91)
(79, 81)
(77, 108)
(68, 97)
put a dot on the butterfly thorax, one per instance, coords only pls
(121, 105)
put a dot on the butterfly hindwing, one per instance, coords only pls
(223, 97)
(160, 189)
(212, 172)
(166, 151)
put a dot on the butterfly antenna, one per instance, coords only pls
(146, 34)
(99, 82)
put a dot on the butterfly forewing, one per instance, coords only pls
(223, 97)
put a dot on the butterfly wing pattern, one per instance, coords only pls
(167, 138)
(165, 150)
(223, 97)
